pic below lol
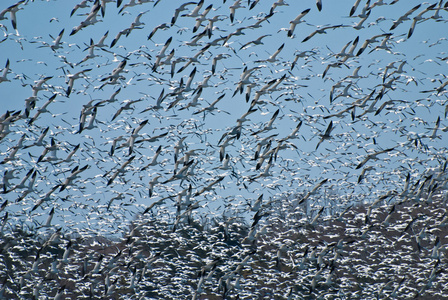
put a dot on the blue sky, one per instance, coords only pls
(302, 96)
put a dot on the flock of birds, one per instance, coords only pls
(214, 150)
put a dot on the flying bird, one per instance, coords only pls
(404, 17)
(179, 9)
(233, 8)
(321, 30)
(73, 77)
(73, 175)
(372, 156)
(258, 41)
(326, 135)
(313, 190)
(13, 9)
(419, 18)
(83, 4)
(121, 170)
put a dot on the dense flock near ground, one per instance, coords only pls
(223, 149)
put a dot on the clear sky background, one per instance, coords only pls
(405, 124)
